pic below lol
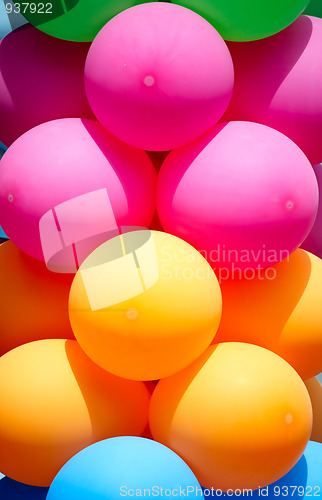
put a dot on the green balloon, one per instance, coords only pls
(314, 8)
(246, 20)
(74, 20)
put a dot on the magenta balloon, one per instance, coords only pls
(313, 242)
(278, 82)
(56, 169)
(243, 194)
(41, 79)
(158, 76)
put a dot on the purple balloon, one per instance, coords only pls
(313, 242)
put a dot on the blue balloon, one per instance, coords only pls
(5, 26)
(10, 17)
(125, 466)
(11, 490)
(3, 236)
(3, 149)
(303, 481)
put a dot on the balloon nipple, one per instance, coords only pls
(131, 314)
(149, 81)
(288, 418)
(289, 205)
(10, 198)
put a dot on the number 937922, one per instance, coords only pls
(297, 491)
(29, 8)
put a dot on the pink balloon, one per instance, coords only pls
(278, 82)
(158, 76)
(66, 184)
(313, 242)
(41, 79)
(243, 194)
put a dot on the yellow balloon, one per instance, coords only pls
(144, 305)
(314, 388)
(240, 416)
(54, 401)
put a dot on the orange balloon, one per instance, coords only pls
(54, 401)
(144, 305)
(314, 388)
(279, 309)
(240, 416)
(33, 300)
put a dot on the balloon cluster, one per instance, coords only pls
(160, 306)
